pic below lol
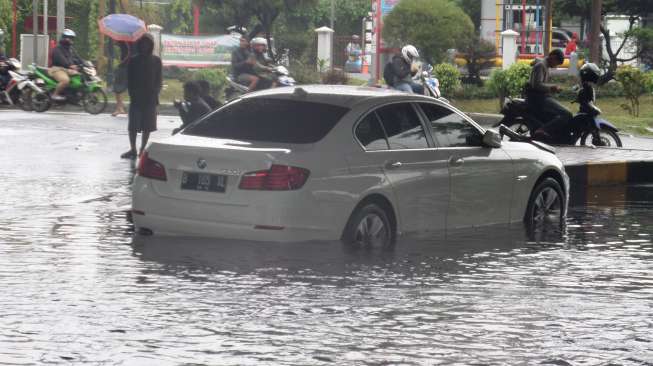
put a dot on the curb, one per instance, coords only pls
(610, 173)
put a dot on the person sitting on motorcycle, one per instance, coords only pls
(399, 71)
(64, 63)
(242, 65)
(539, 94)
(262, 64)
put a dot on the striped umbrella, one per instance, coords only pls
(122, 27)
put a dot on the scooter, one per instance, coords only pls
(85, 89)
(519, 116)
(281, 76)
(16, 90)
(431, 83)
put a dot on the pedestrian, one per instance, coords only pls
(205, 93)
(193, 107)
(572, 44)
(144, 85)
(120, 79)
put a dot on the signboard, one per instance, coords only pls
(197, 51)
(387, 6)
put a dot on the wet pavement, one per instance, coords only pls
(79, 288)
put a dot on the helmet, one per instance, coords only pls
(409, 53)
(68, 33)
(590, 73)
(258, 41)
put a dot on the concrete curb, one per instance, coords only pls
(610, 173)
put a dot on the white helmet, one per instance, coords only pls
(68, 33)
(258, 41)
(409, 53)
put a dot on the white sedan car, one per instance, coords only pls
(337, 162)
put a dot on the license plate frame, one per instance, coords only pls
(203, 182)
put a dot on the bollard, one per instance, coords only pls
(509, 47)
(324, 48)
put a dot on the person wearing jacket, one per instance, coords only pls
(398, 72)
(242, 65)
(144, 83)
(539, 93)
(64, 63)
(193, 107)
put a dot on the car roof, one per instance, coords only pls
(340, 95)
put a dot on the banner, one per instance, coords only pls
(197, 51)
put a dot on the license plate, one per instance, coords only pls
(204, 182)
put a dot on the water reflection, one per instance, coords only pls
(79, 288)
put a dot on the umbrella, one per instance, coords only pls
(122, 27)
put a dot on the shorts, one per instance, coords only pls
(245, 79)
(142, 118)
(60, 74)
(120, 79)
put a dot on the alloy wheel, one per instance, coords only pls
(372, 231)
(547, 208)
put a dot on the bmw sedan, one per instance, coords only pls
(337, 162)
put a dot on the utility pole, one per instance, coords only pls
(595, 34)
(333, 13)
(61, 17)
(35, 31)
(45, 17)
(548, 26)
(112, 10)
(102, 11)
(14, 21)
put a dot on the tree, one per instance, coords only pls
(433, 26)
(473, 9)
(479, 54)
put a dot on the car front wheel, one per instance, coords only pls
(546, 208)
(370, 227)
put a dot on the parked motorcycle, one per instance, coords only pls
(15, 91)
(85, 89)
(281, 76)
(585, 127)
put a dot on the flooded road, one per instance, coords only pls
(79, 288)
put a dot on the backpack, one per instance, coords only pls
(388, 74)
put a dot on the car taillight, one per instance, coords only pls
(150, 168)
(277, 178)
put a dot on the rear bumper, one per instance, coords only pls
(297, 217)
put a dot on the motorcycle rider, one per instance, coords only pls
(399, 70)
(262, 64)
(242, 64)
(539, 94)
(64, 63)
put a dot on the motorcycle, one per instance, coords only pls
(521, 118)
(18, 85)
(85, 88)
(430, 83)
(281, 76)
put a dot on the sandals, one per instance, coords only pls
(131, 154)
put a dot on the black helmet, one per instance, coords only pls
(590, 73)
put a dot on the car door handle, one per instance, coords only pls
(456, 161)
(394, 164)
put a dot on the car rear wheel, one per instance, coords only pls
(546, 208)
(369, 227)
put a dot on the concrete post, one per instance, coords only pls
(573, 64)
(324, 47)
(509, 47)
(155, 31)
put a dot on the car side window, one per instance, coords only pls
(402, 126)
(370, 134)
(449, 128)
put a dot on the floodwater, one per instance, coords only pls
(77, 287)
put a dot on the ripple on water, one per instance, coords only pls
(77, 288)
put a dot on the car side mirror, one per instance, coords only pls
(492, 138)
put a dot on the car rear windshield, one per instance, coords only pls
(270, 120)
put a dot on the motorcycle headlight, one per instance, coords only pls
(90, 71)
